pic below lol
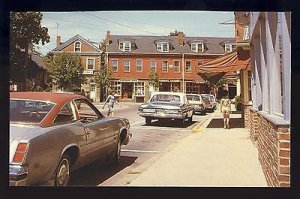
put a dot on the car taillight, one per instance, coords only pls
(20, 153)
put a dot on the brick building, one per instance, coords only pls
(174, 58)
(270, 112)
(91, 60)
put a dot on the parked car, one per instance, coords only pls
(52, 134)
(167, 105)
(209, 101)
(197, 102)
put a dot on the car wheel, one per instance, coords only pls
(190, 119)
(148, 120)
(62, 174)
(117, 153)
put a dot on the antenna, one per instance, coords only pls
(57, 24)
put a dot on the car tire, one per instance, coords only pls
(190, 119)
(63, 171)
(116, 153)
(148, 120)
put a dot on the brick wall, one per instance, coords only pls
(253, 126)
(273, 143)
(246, 115)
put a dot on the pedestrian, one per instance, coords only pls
(226, 108)
(111, 100)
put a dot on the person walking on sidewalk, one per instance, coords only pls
(111, 100)
(226, 108)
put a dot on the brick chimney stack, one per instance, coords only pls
(180, 38)
(58, 41)
(107, 39)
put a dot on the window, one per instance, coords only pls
(188, 67)
(66, 114)
(77, 46)
(164, 66)
(116, 86)
(93, 87)
(87, 112)
(114, 65)
(139, 88)
(139, 65)
(230, 47)
(175, 86)
(90, 63)
(126, 65)
(176, 66)
(125, 46)
(197, 47)
(246, 33)
(192, 87)
(163, 47)
(153, 65)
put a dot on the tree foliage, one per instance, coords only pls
(153, 79)
(65, 70)
(175, 33)
(25, 31)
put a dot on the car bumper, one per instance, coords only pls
(17, 175)
(163, 115)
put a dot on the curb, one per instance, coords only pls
(201, 127)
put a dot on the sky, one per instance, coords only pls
(94, 25)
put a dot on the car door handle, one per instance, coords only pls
(103, 129)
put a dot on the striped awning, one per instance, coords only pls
(214, 70)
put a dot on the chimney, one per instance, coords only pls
(107, 38)
(180, 38)
(57, 41)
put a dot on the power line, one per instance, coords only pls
(120, 24)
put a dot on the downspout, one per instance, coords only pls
(183, 67)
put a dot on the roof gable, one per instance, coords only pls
(73, 40)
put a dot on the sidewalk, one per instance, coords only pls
(215, 157)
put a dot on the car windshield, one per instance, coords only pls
(193, 97)
(165, 98)
(29, 111)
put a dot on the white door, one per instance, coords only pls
(93, 92)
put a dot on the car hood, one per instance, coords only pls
(161, 105)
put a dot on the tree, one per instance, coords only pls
(102, 78)
(175, 33)
(153, 79)
(25, 31)
(65, 70)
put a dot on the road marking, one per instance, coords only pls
(138, 151)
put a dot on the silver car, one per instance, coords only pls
(197, 102)
(167, 105)
(51, 134)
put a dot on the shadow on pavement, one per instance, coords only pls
(171, 123)
(98, 172)
(234, 123)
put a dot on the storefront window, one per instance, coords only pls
(116, 86)
(139, 89)
(175, 86)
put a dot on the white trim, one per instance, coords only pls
(286, 61)
(79, 46)
(124, 46)
(128, 65)
(162, 66)
(160, 45)
(87, 63)
(178, 66)
(155, 64)
(197, 47)
(137, 65)
(190, 71)
(112, 65)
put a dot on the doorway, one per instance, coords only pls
(127, 89)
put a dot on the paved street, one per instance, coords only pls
(146, 144)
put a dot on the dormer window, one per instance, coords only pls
(163, 46)
(230, 47)
(77, 46)
(197, 47)
(125, 46)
